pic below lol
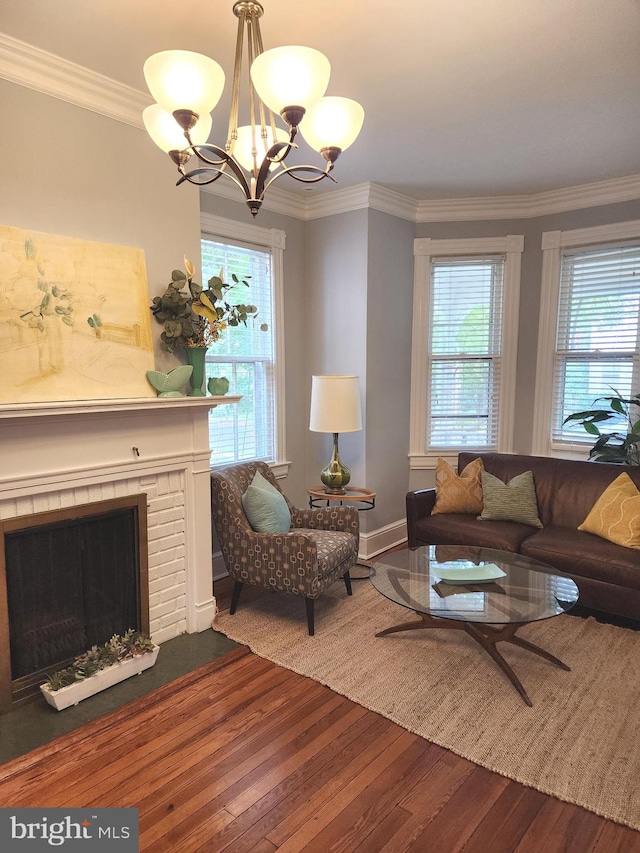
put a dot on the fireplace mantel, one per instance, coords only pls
(87, 407)
(63, 454)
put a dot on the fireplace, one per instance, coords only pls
(59, 456)
(74, 577)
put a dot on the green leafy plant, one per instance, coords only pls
(621, 446)
(193, 317)
(119, 648)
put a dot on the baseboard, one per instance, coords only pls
(375, 542)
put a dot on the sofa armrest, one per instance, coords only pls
(419, 503)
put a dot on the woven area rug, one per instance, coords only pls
(579, 742)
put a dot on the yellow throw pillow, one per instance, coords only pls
(458, 492)
(616, 514)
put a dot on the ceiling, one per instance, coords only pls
(462, 98)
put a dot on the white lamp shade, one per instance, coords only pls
(335, 404)
(182, 80)
(332, 122)
(246, 141)
(167, 133)
(290, 76)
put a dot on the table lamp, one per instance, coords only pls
(335, 408)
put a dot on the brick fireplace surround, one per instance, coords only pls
(55, 455)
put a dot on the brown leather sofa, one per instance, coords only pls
(607, 575)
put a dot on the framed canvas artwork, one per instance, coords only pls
(74, 319)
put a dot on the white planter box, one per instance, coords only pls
(75, 693)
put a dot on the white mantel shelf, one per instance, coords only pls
(137, 404)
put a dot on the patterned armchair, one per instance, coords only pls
(320, 547)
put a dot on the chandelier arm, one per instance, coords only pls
(291, 171)
(225, 160)
(272, 156)
(217, 173)
(276, 154)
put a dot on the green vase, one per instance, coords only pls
(196, 358)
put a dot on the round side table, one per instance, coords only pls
(319, 497)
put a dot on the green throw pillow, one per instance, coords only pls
(512, 501)
(265, 507)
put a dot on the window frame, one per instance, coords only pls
(220, 229)
(553, 243)
(424, 250)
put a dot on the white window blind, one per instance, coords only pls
(465, 338)
(597, 346)
(245, 355)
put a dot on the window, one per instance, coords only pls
(464, 339)
(248, 356)
(589, 337)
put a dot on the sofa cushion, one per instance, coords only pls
(616, 514)
(458, 492)
(458, 529)
(577, 553)
(265, 507)
(511, 501)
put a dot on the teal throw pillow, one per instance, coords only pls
(512, 501)
(265, 507)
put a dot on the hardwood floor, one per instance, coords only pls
(249, 757)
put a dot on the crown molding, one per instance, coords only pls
(376, 197)
(41, 71)
(530, 206)
(52, 75)
(319, 205)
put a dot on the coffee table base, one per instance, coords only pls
(486, 636)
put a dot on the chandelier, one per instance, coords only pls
(287, 81)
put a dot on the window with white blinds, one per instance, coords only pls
(464, 338)
(598, 331)
(465, 352)
(245, 355)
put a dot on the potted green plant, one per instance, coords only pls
(122, 656)
(620, 446)
(193, 318)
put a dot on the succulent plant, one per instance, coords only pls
(118, 648)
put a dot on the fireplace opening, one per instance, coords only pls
(69, 579)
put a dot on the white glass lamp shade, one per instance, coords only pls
(182, 80)
(332, 122)
(290, 76)
(167, 133)
(244, 144)
(335, 404)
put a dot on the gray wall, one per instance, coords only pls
(389, 311)
(79, 174)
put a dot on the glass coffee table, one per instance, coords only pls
(488, 594)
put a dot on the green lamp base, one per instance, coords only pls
(335, 476)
